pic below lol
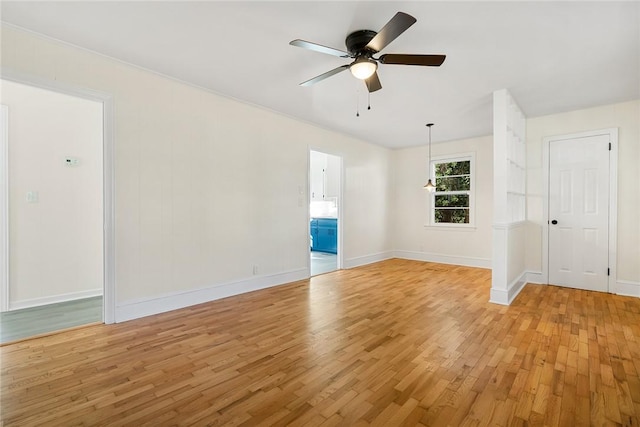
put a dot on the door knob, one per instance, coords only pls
(554, 222)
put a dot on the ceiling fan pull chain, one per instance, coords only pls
(369, 98)
(357, 103)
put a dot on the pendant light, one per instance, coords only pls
(429, 185)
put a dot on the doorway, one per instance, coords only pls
(53, 211)
(325, 171)
(581, 210)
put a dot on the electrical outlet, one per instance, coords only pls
(255, 270)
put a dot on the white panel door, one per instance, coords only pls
(579, 212)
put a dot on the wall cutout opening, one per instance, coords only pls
(53, 210)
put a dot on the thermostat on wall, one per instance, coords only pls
(71, 161)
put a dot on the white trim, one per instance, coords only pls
(627, 288)
(109, 202)
(444, 259)
(4, 208)
(54, 299)
(143, 307)
(623, 287)
(535, 277)
(453, 227)
(613, 209)
(453, 156)
(367, 259)
(10, 74)
(109, 291)
(506, 297)
(545, 210)
(341, 186)
(306, 198)
(613, 200)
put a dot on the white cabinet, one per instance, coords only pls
(332, 177)
(318, 163)
(324, 177)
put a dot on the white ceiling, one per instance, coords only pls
(552, 56)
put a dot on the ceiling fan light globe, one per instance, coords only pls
(363, 68)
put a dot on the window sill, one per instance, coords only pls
(451, 227)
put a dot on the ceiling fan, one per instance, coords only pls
(362, 45)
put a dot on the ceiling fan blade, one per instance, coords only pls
(396, 26)
(401, 59)
(319, 48)
(373, 83)
(324, 75)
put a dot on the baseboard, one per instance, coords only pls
(444, 259)
(627, 288)
(622, 287)
(53, 299)
(535, 277)
(506, 297)
(135, 309)
(367, 259)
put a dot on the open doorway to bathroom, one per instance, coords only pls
(324, 212)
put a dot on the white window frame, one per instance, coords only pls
(461, 157)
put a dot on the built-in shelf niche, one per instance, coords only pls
(516, 163)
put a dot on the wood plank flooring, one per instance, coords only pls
(394, 343)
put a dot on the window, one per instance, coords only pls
(452, 202)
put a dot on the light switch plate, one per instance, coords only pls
(32, 197)
(71, 161)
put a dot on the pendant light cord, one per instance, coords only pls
(429, 150)
(358, 102)
(430, 185)
(429, 126)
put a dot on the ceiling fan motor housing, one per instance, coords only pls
(358, 40)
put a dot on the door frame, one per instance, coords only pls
(108, 241)
(4, 209)
(613, 200)
(340, 257)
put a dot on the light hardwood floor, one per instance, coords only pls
(393, 343)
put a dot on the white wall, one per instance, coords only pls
(413, 238)
(206, 187)
(624, 116)
(55, 244)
